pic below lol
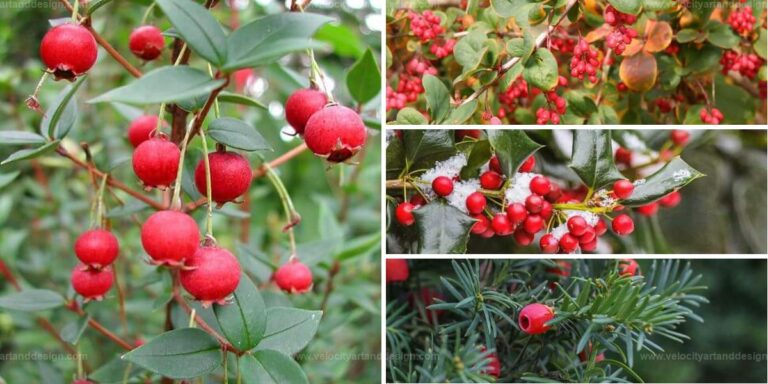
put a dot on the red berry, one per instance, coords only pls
(493, 368)
(495, 165)
(418, 200)
(92, 284)
(517, 213)
(462, 133)
(540, 185)
(141, 129)
(589, 247)
(230, 176)
(482, 225)
(549, 244)
(623, 156)
(82, 381)
(211, 274)
(533, 317)
(491, 180)
(533, 203)
(533, 224)
(588, 236)
(335, 133)
(523, 238)
(301, 105)
(97, 248)
(68, 50)
(396, 270)
(546, 210)
(442, 185)
(628, 267)
(501, 224)
(404, 215)
(563, 267)
(147, 42)
(648, 209)
(568, 243)
(670, 200)
(680, 137)
(577, 225)
(294, 277)
(528, 164)
(623, 225)
(169, 237)
(475, 203)
(554, 193)
(623, 189)
(600, 227)
(156, 162)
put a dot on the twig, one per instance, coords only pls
(72, 306)
(329, 286)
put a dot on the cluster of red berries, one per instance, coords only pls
(621, 35)
(563, 44)
(742, 20)
(518, 89)
(444, 50)
(713, 117)
(664, 105)
(96, 249)
(409, 85)
(331, 131)
(555, 105)
(426, 26)
(584, 61)
(747, 64)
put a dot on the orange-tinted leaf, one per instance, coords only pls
(658, 35)
(598, 33)
(639, 72)
(634, 47)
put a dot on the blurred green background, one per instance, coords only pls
(46, 206)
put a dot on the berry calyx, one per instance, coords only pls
(475, 203)
(156, 162)
(170, 237)
(231, 176)
(91, 284)
(141, 128)
(301, 105)
(335, 133)
(396, 270)
(533, 317)
(97, 248)
(294, 277)
(577, 225)
(548, 244)
(442, 185)
(491, 180)
(623, 189)
(623, 225)
(404, 215)
(68, 51)
(210, 275)
(628, 267)
(540, 185)
(680, 137)
(147, 42)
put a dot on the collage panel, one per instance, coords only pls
(618, 62)
(575, 191)
(576, 320)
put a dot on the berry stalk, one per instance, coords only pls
(290, 212)
(208, 193)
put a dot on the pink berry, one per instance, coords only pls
(294, 277)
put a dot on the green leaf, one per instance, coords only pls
(266, 39)
(198, 28)
(518, 9)
(244, 320)
(438, 98)
(7, 178)
(580, 102)
(442, 229)
(521, 46)
(541, 70)
(26, 154)
(235, 98)
(364, 78)
(461, 114)
(31, 300)
(271, 367)
(410, 116)
(424, 147)
(479, 154)
(20, 137)
(721, 35)
(162, 85)
(358, 246)
(686, 35)
(675, 175)
(470, 49)
(512, 147)
(179, 354)
(592, 158)
(237, 134)
(631, 7)
(761, 44)
(128, 112)
(116, 371)
(60, 116)
(289, 330)
(193, 104)
(72, 332)
(94, 5)
(344, 41)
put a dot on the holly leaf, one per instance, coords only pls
(244, 320)
(178, 354)
(673, 176)
(395, 161)
(424, 147)
(592, 158)
(289, 330)
(540, 70)
(479, 154)
(442, 228)
(364, 78)
(512, 147)
(438, 98)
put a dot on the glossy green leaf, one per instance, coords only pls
(237, 134)
(540, 70)
(410, 116)
(198, 28)
(178, 354)
(31, 300)
(165, 84)
(26, 154)
(72, 332)
(438, 98)
(20, 137)
(721, 35)
(592, 158)
(470, 49)
(289, 330)
(364, 78)
(60, 116)
(461, 114)
(234, 98)
(271, 367)
(518, 9)
(675, 175)
(116, 371)
(479, 154)
(442, 229)
(512, 147)
(424, 147)
(7, 178)
(631, 7)
(244, 320)
(686, 35)
(266, 39)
